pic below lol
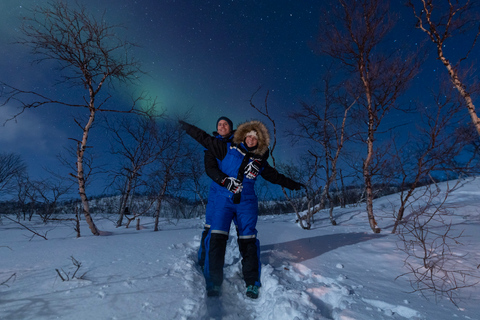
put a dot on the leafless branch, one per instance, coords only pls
(65, 276)
(27, 228)
(4, 283)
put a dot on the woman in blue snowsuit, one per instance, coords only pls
(241, 162)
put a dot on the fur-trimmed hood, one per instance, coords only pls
(262, 133)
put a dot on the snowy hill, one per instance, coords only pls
(338, 272)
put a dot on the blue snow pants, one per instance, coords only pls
(209, 216)
(246, 214)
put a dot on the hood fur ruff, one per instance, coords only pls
(262, 132)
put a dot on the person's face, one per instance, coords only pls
(251, 141)
(223, 128)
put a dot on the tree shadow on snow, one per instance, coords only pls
(308, 248)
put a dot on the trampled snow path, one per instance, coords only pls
(280, 298)
(289, 291)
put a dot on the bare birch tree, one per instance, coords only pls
(89, 55)
(352, 34)
(323, 126)
(166, 174)
(433, 148)
(195, 169)
(443, 21)
(24, 190)
(264, 111)
(431, 241)
(50, 192)
(133, 141)
(11, 167)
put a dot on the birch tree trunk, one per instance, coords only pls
(367, 174)
(159, 204)
(81, 176)
(461, 89)
(126, 198)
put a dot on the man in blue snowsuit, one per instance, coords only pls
(241, 162)
(224, 133)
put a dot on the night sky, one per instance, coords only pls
(205, 56)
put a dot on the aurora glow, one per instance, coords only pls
(205, 56)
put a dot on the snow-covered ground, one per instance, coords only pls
(330, 272)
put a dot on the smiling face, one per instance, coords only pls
(251, 141)
(223, 128)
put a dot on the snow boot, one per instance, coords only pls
(252, 291)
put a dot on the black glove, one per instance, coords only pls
(252, 169)
(233, 185)
(295, 186)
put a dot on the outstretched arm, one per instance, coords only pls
(217, 147)
(272, 175)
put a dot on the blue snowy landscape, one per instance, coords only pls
(341, 272)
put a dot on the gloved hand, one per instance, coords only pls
(297, 186)
(252, 169)
(233, 185)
